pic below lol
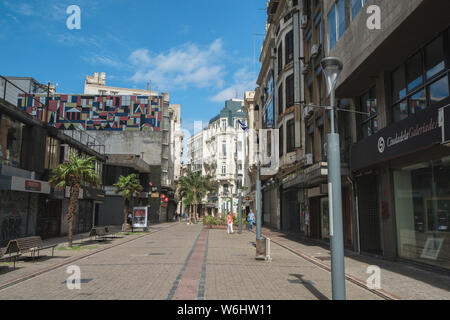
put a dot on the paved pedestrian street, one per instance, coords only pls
(185, 262)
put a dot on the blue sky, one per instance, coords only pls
(200, 51)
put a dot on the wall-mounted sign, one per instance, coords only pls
(413, 133)
(28, 185)
(31, 185)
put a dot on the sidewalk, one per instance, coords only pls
(401, 280)
(26, 268)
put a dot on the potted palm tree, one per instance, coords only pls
(128, 186)
(72, 174)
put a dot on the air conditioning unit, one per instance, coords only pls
(304, 21)
(308, 111)
(309, 159)
(315, 49)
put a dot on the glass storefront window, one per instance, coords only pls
(10, 141)
(422, 206)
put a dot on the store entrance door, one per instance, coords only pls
(369, 220)
(48, 222)
(314, 212)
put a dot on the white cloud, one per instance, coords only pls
(101, 59)
(243, 80)
(20, 8)
(182, 66)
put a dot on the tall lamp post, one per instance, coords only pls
(331, 68)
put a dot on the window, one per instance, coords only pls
(420, 82)
(336, 23)
(224, 149)
(290, 91)
(438, 91)
(280, 57)
(434, 58)
(320, 86)
(224, 125)
(318, 29)
(10, 141)
(289, 43)
(356, 7)
(320, 126)
(332, 28)
(311, 145)
(368, 124)
(290, 136)
(281, 143)
(308, 45)
(414, 72)
(422, 213)
(280, 100)
(398, 84)
(310, 91)
(52, 152)
(224, 169)
(341, 18)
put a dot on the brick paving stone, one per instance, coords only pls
(403, 280)
(128, 271)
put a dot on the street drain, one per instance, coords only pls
(238, 255)
(156, 254)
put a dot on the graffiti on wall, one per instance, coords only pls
(11, 228)
(87, 112)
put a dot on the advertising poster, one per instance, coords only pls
(140, 217)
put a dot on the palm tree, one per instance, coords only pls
(71, 174)
(128, 186)
(194, 187)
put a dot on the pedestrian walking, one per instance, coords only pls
(130, 220)
(230, 223)
(251, 219)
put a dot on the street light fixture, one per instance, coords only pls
(331, 68)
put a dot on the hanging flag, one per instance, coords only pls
(243, 126)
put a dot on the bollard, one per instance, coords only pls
(268, 257)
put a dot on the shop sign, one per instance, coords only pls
(140, 216)
(28, 185)
(31, 185)
(415, 132)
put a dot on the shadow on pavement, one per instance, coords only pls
(309, 285)
(436, 278)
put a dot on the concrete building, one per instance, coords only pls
(129, 125)
(29, 150)
(96, 85)
(389, 96)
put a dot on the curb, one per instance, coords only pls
(379, 292)
(54, 267)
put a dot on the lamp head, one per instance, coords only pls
(331, 67)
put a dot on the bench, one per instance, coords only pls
(28, 245)
(10, 256)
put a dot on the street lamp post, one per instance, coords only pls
(331, 68)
